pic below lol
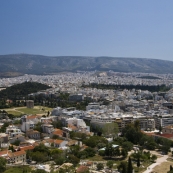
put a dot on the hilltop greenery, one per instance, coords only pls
(149, 77)
(155, 88)
(22, 90)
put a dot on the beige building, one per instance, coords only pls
(167, 129)
(14, 157)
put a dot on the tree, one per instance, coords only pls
(127, 145)
(153, 157)
(132, 134)
(100, 166)
(60, 160)
(138, 163)
(124, 152)
(11, 148)
(90, 152)
(137, 125)
(160, 129)
(73, 159)
(129, 167)
(2, 164)
(122, 167)
(110, 164)
(16, 142)
(110, 129)
(74, 149)
(109, 151)
(38, 127)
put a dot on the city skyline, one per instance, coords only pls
(140, 29)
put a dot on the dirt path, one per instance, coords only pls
(158, 162)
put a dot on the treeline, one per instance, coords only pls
(155, 88)
(62, 100)
(22, 90)
(149, 77)
(52, 101)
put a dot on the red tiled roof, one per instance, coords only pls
(18, 153)
(25, 148)
(72, 127)
(58, 141)
(82, 169)
(58, 132)
(166, 135)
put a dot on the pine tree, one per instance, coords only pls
(138, 163)
(130, 167)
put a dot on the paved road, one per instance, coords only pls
(158, 162)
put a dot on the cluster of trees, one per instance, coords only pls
(133, 134)
(40, 153)
(113, 152)
(156, 88)
(19, 93)
(86, 153)
(126, 167)
(149, 77)
(22, 90)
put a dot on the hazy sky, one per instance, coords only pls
(117, 28)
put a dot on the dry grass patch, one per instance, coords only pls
(163, 167)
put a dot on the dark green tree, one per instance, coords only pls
(124, 152)
(122, 167)
(127, 145)
(153, 157)
(2, 164)
(138, 163)
(73, 159)
(110, 164)
(100, 166)
(129, 167)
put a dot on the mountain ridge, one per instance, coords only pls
(20, 64)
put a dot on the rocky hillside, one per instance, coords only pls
(18, 64)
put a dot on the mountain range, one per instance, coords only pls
(19, 64)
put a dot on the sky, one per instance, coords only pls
(116, 28)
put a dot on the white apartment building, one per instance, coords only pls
(13, 131)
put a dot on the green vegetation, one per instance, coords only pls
(22, 90)
(2, 164)
(149, 77)
(100, 166)
(40, 154)
(110, 130)
(18, 169)
(3, 128)
(133, 134)
(129, 87)
(18, 111)
(110, 164)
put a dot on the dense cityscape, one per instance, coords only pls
(87, 122)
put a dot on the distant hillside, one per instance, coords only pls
(19, 64)
(22, 89)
